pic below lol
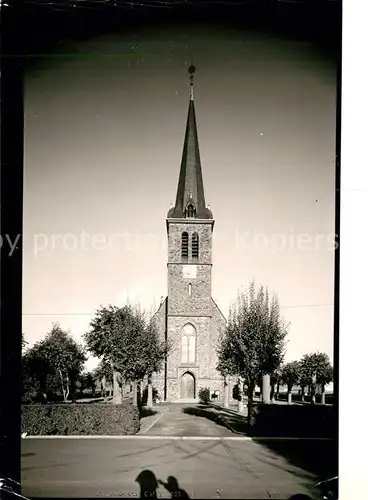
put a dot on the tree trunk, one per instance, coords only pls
(103, 387)
(266, 389)
(226, 392)
(241, 396)
(122, 388)
(251, 409)
(313, 395)
(289, 397)
(323, 395)
(272, 393)
(62, 384)
(277, 390)
(116, 388)
(240, 405)
(67, 387)
(139, 393)
(302, 397)
(149, 392)
(135, 393)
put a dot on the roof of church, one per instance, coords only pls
(190, 185)
(163, 308)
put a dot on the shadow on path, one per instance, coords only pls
(146, 412)
(315, 456)
(226, 419)
(149, 485)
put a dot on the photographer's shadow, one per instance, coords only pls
(172, 486)
(149, 485)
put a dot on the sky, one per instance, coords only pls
(104, 129)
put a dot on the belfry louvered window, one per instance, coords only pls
(195, 246)
(184, 245)
(190, 211)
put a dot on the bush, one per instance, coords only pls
(204, 395)
(76, 419)
(236, 393)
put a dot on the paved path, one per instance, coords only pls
(184, 420)
(217, 467)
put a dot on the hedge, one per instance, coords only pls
(308, 421)
(76, 419)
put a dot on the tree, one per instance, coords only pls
(40, 380)
(290, 377)
(114, 337)
(64, 356)
(226, 363)
(54, 363)
(81, 383)
(24, 343)
(103, 374)
(303, 381)
(153, 352)
(226, 366)
(254, 340)
(86, 380)
(123, 338)
(324, 378)
(275, 380)
(33, 378)
(316, 369)
(103, 370)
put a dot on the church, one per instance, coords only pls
(188, 318)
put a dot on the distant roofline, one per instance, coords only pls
(190, 315)
(160, 306)
(222, 314)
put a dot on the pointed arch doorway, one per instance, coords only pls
(187, 387)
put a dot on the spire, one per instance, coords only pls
(191, 71)
(190, 201)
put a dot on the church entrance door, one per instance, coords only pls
(187, 386)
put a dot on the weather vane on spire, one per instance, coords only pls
(191, 71)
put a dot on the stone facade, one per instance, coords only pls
(203, 368)
(188, 318)
(199, 301)
(196, 308)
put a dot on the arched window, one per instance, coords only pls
(195, 246)
(188, 344)
(184, 245)
(190, 211)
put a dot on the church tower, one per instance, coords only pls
(189, 318)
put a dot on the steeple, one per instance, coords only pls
(190, 201)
